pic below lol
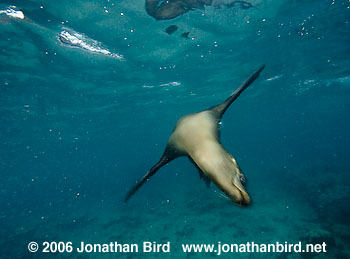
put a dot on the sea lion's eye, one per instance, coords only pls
(243, 180)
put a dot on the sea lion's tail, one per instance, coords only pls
(221, 108)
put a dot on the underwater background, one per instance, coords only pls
(91, 90)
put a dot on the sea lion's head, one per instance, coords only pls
(239, 194)
(232, 182)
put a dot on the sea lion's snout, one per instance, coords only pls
(244, 201)
(240, 196)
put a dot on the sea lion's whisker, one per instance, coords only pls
(220, 195)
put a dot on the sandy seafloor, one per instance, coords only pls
(81, 122)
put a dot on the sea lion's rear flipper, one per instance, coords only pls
(221, 108)
(202, 175)
(166, 158)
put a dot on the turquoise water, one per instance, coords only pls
(80, 122)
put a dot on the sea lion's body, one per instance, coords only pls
(193, 131)
(196, 135)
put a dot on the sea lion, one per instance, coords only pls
(196, 136)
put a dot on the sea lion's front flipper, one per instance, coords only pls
(206, 179)
(202, 175)
(221, 108)
(166, 158)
